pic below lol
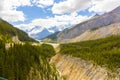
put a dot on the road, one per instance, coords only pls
(55, 45)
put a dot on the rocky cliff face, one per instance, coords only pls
(113, 29)
(96, 22)
(71, 68)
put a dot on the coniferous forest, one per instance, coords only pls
(26, 62)
(8, 30)
(104, 52)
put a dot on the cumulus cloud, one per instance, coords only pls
(69, 6)
(9, 12)
(43, 3)
(8, 9)
(12, 15)
(104, 5)
(57, 21)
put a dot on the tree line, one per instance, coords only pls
(25, 62)
(104, 52)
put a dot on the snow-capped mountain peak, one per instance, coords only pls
(36, 30)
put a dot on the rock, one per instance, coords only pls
(72, 68)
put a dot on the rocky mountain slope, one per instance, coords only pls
(113, 29)
(71, 68)
(89, 60)
(94, 23)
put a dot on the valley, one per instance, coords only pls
(27, 62)
(89, 50)
(82, 61)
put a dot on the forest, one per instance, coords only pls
(10, 31)
(104, 52)
(26, 62)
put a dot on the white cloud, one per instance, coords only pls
(58, 21)
(69, 6)
(12, 15)
(43, 3)
(104, 5)
(9, 12)
(8, 9)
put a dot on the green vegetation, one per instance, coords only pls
(8, 30)
(51, 38)
(25, 62)
(104, 52)
(48, 50)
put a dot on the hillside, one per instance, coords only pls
(112, 29)
(27, 62)
(93, 23)
(8, 30)
(51, 37)
(90, 60)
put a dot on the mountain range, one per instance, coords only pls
(39, 32)
(97, 27)
(81, 31)
(91, 29)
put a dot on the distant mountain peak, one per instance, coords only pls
(96, 15)
(39, 33)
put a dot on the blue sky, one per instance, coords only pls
(26, 14)
(34, 12)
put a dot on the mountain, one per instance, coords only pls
(54, 29)
(39, 33)
(10, 31)
(51, 37)
(96, 33)
(94, 23)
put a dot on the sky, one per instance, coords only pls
(26, 14)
